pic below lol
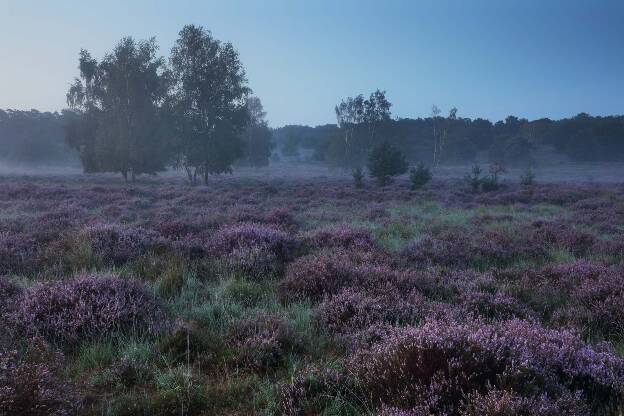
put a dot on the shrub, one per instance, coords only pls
(385, 162)
(527, 179)
(30, 383)
(316, 276)
(352, 310)
(464, 249)
(439, 363)
(18, 253)
(420, 176)
(474, 178)
(249, 242)
(341, 237)
(9, 292)
(358, 178)
(90, 307)
(264, 341)
(118, 244)
(501, 403)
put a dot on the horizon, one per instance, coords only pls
(489, 60)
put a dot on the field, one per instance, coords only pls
(306, 296)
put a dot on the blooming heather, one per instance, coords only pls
(438, 363)
(89, 307)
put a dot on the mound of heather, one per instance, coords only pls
(89, 307)
(19, 253)
(9, 291)
(340, 237)
(257, 249)
(461, 250)
(323, 274)
(445, 368)
(264, 341)
(116, 244)
(31, 383)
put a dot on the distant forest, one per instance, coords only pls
(38, 138)
(514, 141)
(34, 138)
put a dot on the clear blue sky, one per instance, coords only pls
(490, 58)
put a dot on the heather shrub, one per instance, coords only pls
(31, 383)
(316, 276)
(502, 403)
(480, 250)
(352, 309)
(492, 306)
(341, 237)
(264, 341)
(257, 249)
(9, 292)
(281, 218)
(117, 244)
(19, 253)
(90, 307)
(594, 298)
(438, 363)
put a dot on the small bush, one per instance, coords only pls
(90, 307)
(114, 244)
(257, 249)
(385, 162)
(352, 310)
(358, 177)
(340, 237)
(527, 179)
(474, 178)
(264, 341)
(31, 383)
(9, 293)
(420, 176)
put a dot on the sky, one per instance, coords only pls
(488, 58)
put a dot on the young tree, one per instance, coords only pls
(385, 162)
(420, 176)
(116, 119)
(210, 103)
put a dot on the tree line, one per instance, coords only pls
(363, 123)
(133, 112)
(35, 138)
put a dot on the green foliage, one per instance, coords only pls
(358, 177)
(485, 183)
(420, 176)
(117, 121)
(210, 121)
(385, 162)
(474, 178)
(361, 122)
(527, 178)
